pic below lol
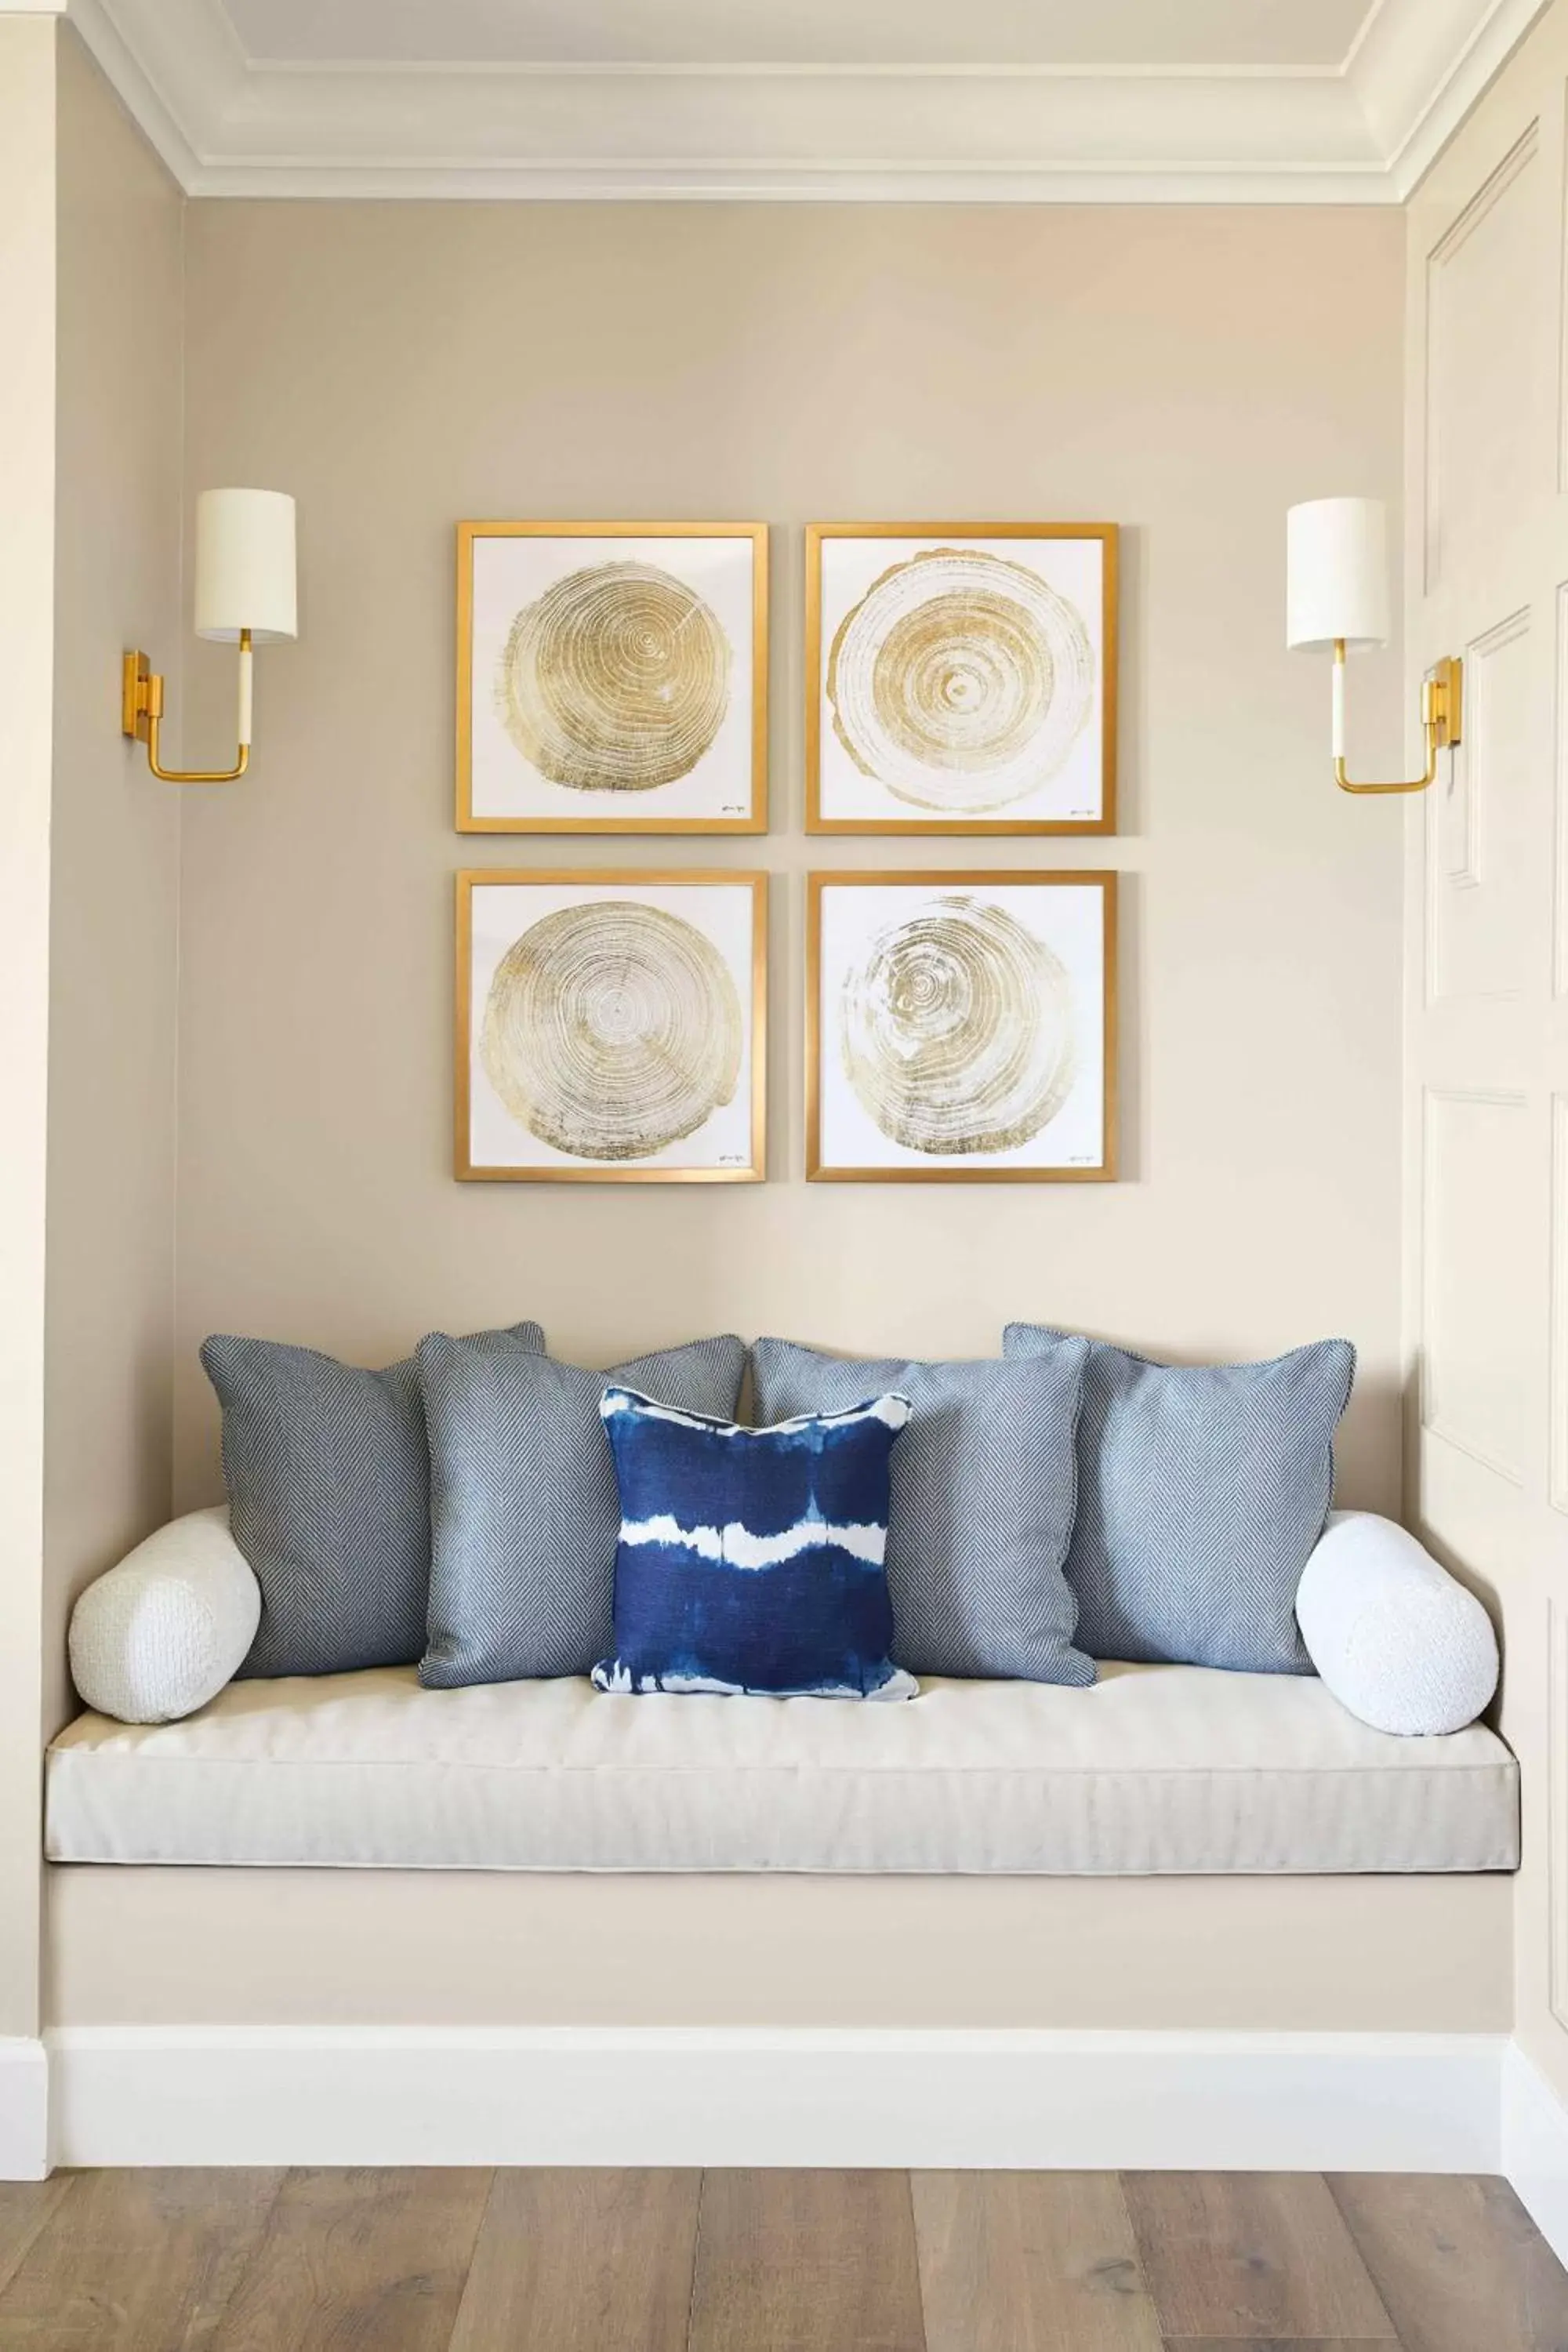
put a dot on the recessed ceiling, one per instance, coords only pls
(1272, 33)
(1023, 102)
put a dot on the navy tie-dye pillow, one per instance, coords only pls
(752, 1559)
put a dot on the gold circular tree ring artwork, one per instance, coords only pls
(960, 681)
(956, 1030)
(612, 1030)
(617, 679)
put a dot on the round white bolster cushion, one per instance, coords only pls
(1399, 1641)
(161, 1634)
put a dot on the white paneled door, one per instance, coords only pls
(1487, 908)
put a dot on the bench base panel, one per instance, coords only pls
(190, 1946)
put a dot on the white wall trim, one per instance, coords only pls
(587, 180)
(1293, 2102)
(1361, 132)
(24, 2109)
(265, 2096)
(1535, 2147)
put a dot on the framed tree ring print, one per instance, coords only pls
(960, 677)
(612, 678)
(961, 1027)
(611, 1027)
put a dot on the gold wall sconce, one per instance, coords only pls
(245, 597)
(1337, 600)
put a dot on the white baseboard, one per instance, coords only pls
(24, 2109)
(1535, 2147)
(265, 2095)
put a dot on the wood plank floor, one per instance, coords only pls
(457, 2260)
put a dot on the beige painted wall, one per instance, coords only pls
(1186, 372)
(26, 618)
(1487, 988)
(115, 856)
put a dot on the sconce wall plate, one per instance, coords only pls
(1442, 721)
(136, 696)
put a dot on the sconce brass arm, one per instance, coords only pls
(141, 712)
(1442, 714)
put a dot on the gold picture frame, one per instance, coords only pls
(745, 1112)
(948, 540)
(736, 780)
(1095, 1116)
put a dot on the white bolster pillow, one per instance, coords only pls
(1399, 1641)
(158, 1637)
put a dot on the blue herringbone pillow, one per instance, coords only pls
(751, 1559)
(523, 1508)
(984, 1486)
(1202, 1491)
(329, 1494)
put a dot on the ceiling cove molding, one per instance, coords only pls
(1419, 66)
(142, 96)
(1364, 133)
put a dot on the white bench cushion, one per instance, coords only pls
(1158, 1768)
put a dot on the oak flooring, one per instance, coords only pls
(581, 2257)
(141, 2262)
(805, 2261)
(454, 2260)
(24, 2207)
(1252, 2253)
(1030, 2261)
(1460, 2259)
(361, 2258)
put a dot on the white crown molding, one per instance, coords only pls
(1419, 66)
(1364, 133)
(143, 96)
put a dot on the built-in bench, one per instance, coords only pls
(542, 1872)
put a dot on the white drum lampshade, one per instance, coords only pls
(245, 566)
(1337, 575)
(1336, 601)
(245, 597)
